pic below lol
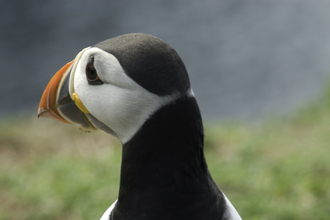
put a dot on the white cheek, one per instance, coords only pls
(119, 103)
(122, 110)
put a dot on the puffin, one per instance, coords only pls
(136, 87)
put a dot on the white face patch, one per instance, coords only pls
(119, 103)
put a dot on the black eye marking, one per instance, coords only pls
(91, 74)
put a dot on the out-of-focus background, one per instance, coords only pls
(248, 61)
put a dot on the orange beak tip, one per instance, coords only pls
(40, 112)
(43, 113)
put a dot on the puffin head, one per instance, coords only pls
(116, 85)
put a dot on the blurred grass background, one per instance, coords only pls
(276, 169)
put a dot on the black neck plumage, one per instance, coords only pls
(164, 174)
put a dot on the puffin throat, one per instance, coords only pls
(160, 153)
(164, 166)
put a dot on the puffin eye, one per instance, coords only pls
(91, 74)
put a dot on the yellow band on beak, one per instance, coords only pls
(79, 103)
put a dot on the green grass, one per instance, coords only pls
(278, 169)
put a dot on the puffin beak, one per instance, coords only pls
(48, 106)
(56, 102)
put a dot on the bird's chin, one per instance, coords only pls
(57, 103)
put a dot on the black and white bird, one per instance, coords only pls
(136, 88)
